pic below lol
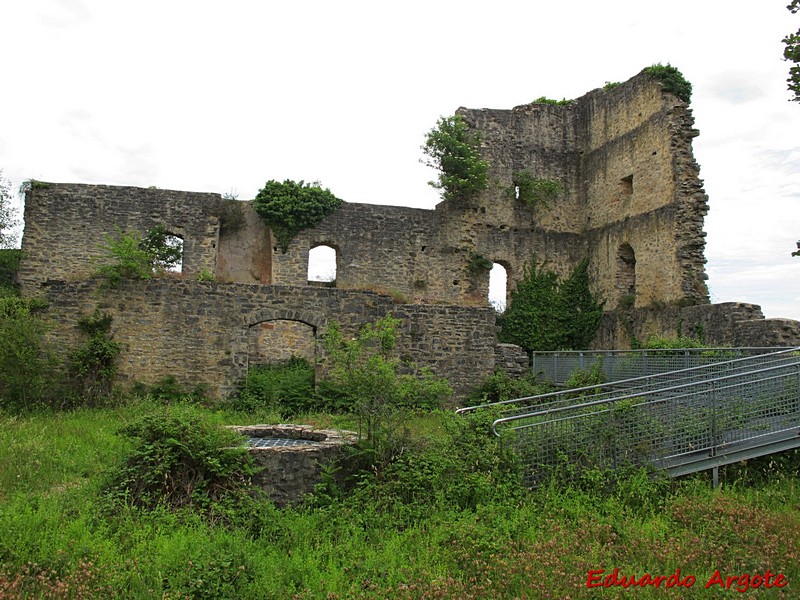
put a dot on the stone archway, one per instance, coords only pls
(277, 341)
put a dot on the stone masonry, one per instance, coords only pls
(632, 202)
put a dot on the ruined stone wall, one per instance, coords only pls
(734, 324)
(245, 251)
(66, 226)
(642, 195)
(201, 332)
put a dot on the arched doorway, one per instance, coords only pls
(498, 287)
(278, 341)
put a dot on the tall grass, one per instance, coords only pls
(57, 540)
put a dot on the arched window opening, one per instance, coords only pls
(498, 287)
(626, 276)
(322, 264)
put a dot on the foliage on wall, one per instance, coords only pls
(231, 215)
(452, 149)
(93, 364)
(551, 101)
(535, 191)
(289, 207)
(548, 314)
(139, 257)
(672, 79)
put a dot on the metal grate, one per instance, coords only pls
(682, 421)
(276, 442)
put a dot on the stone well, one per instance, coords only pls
(290, 458)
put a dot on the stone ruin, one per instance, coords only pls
(632, 203)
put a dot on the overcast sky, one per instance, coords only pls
(223, 96)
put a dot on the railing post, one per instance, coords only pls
(715, 469)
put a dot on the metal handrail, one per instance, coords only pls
(682, 421)
(628, 397)
(624, 382)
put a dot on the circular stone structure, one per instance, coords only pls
(290, 458)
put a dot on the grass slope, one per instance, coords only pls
(59, 540)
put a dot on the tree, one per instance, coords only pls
(7, 214)
(792, 53)
(452, 149)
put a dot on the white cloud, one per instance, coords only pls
(210, 96)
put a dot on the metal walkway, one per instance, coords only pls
(682, 421)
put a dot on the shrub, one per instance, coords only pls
(478, 263)
(552, 102)
(364, 377)
(169, 391)
(452, 149)
(501, 386)
(139, 257)
(9, 265)
(180, 458)
(581, 378)
(672, 80)
(289, 207)
(29, 375)
(464, 468)
(231, 215)
(656, 342)
(287, 388)
(536, 190)
(93, 365)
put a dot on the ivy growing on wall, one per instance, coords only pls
(672, 79)
(536, 190)
(289, 207)
(548, 314)
(452, 149)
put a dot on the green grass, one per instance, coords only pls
(59, 540)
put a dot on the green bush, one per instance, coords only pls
(9, 265)
(452, 149)
(287, 388)
(180, 458)
(289, 207)
(139, 257)
(536, 190)
(551, 101)
(547, 314)
(168, 391)
(501, 386)
(672, 80)
(29, 373)
(657, 342)
(581, 378)
(465, 467)
(231, 215)
(365, 378)
(93, 364)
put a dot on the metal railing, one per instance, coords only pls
(681, 421)
(556, 367)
